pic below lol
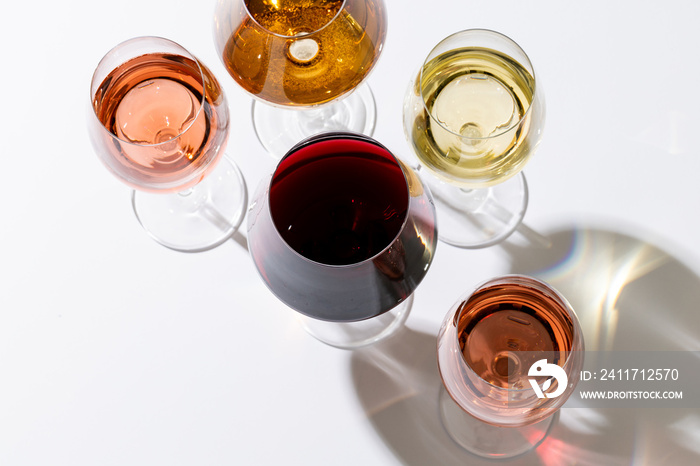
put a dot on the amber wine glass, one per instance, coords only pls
(301, 60)
(474, 115)
(510, 354)
(159, 122)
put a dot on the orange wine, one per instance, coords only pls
(305, 52)
(164, 116)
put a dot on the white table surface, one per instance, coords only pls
(117, 351)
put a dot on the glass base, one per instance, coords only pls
(486, 440)
(351, 335)
(280, 128)
(199, 218)
(477, 218)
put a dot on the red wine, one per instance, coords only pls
(339, 201)
(345, 232)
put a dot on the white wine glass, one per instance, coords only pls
(474, 115)
(303, 61)
(159, 122)
(510, 354)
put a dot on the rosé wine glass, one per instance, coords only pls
(510, 354)
(159, 122)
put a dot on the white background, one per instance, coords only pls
(117, 351)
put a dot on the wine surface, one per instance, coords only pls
(343, 232)
(479, 130)
(304, 52)
(339, 201)
(498, 321)
(157, 103)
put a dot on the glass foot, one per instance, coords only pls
(478, 218)
(279, 129)
(351, 335)
(199, 218)
(487, 440)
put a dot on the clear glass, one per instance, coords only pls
(301, 60)
(159, 122)
(490, 369)
(365, 296)
(474, 115)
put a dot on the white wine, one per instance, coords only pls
(473, 124)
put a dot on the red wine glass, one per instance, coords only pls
(510, 354)
(343, 232)
(304, 62)
(159, 122)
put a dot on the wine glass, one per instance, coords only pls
(474, 115)
(301, 60)
(159, 122)
(510, 354)
(343, 233)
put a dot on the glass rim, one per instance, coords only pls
(296, 36)
(550, 289)
(488, 32)
(94, 86)
(342, 135)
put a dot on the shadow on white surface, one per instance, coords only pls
(241, 240)
(628, 294)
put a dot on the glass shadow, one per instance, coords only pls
(629, 294)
